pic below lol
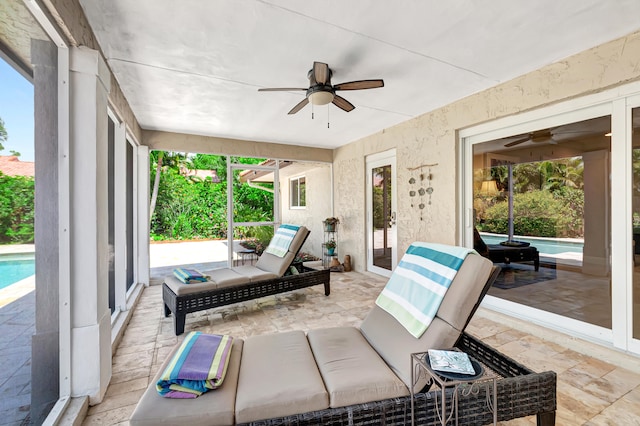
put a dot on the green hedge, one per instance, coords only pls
(16, 209)
(196, 209)
(539, 214)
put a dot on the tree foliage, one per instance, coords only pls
(548, 199)
(16, 209)
(188, 207)
(3, 134)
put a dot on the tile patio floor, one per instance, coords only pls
(600, 390)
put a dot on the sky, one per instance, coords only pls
(16, 110)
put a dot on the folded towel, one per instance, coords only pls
(282, 239)
(199, 365)
(189, 276)
(417, 286)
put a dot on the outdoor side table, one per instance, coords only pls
(244, 255)
(420, 367)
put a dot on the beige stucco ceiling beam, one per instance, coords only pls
(167, 141)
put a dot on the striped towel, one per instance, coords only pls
(189, 276)
(418, 284)
(199, 365)
(281, 241)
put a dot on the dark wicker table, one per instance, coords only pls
(454, 387)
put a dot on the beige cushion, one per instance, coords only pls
(465, 290)
(254, 274)
(180, 288)
(278, 378)
(395, 344)
(226, 277)
(352, 371)
(274, 264)
(218, 278)
(278, 265)
(213, 408)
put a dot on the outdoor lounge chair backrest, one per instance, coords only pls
(395, 344)
(279, 265)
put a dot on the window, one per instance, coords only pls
(298, 191)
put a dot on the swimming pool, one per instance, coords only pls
(547, 246)
(16, 267)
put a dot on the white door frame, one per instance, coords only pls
(372, 161)
(618, 103)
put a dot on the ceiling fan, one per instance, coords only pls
(536, 137)
(321, 92)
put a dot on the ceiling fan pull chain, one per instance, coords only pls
(328, 116)
(312, 111)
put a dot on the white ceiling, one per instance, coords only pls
(195, 66)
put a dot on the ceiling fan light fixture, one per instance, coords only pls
(321, 98)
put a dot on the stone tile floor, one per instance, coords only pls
(603, 389)
(17, 324)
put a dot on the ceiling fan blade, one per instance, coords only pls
(517, 142)
(320, 72)
(342, 103)
(360, 84)
(300, 105)
(280, 89)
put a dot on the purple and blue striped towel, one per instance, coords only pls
(198, 366)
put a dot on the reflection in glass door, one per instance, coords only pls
(635, 203)
(542, 204)
(381, 215)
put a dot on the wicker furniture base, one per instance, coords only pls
(521, 393)
(180, 306)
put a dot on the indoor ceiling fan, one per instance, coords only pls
(536, 137)
(321, 92)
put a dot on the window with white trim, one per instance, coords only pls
(298, 192)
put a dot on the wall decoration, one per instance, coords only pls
(423, 190)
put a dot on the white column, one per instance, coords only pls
(597, 204)
(90, 315)
(120, 215)
(142, 199)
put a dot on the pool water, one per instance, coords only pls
(547, 246)
(16, 267)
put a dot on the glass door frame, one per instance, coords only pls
(231, 223)
(622, 130)
(618, 103)
(372, 161)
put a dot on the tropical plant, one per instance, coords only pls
(16, 209)
(3, 134)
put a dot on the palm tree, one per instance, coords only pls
(3, 134)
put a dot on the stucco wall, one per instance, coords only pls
(318, 183)
(432, 138)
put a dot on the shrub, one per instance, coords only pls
(16, 209)
(538, 214)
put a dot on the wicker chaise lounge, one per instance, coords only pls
(359, 376)
(270, 275)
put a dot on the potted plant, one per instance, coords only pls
(330, 224)
(331, 246)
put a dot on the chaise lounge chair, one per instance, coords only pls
(272, 274)
(358, 376)
(504, 253)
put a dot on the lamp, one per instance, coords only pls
(321, 97)
(489, 188)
